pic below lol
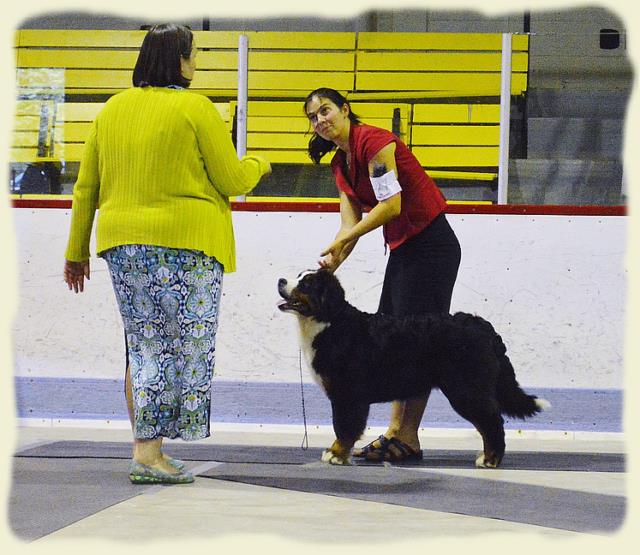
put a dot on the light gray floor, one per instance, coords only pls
(221, 511)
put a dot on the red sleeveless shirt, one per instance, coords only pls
(422, 201)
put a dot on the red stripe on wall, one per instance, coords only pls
(284, 206)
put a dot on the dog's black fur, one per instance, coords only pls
(362, 358)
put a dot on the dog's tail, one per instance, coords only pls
(512, 399)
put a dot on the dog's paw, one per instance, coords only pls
(330, 457)
(485, 462)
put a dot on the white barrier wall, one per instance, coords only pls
(553, 286)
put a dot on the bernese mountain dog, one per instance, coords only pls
(360, 358)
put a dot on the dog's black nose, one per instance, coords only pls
(282, 282)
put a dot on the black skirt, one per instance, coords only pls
(421, 273)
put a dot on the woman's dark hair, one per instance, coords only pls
(158, 62)
(318, 146)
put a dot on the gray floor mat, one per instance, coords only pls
(81, 478)
(49, 494)
(433, 458)
(528, 504)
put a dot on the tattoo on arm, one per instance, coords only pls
(379, 170)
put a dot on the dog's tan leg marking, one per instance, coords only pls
(338, 453)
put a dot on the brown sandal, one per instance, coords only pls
(390, 450)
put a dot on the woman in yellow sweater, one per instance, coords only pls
(160, 166)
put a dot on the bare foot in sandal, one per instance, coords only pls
(389, 450)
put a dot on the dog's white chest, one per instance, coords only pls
(309, 329)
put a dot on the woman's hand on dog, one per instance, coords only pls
(328, 263)
(74, 274)
(334, 255)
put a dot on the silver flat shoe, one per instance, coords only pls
(176, 463)
(142, 474)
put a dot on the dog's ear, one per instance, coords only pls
(331, 292)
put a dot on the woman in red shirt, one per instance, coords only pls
(376, 172)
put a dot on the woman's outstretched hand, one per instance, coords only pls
(74, 274)
(333, 255)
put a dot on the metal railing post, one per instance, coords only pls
(505, 119)
(243, 77)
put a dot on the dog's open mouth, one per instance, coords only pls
(289, 303)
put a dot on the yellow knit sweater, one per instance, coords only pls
(160, 166)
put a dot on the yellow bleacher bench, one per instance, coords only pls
(31, 130)
(101, 62)
(457, 136)
(287, 63)
(391, 79)
(437, 64)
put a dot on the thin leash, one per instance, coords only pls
(305, 439)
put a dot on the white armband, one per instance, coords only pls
(385, 186)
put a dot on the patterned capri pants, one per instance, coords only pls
(169, 300)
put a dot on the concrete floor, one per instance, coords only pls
(217, 511)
